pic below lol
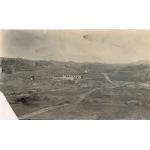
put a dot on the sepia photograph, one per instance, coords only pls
(84, 74)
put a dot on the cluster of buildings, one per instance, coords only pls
(72, 76)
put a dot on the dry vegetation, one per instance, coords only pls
(125, 101)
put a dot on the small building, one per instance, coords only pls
(72, 76)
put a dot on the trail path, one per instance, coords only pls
(81, 98)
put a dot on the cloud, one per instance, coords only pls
(110, 46)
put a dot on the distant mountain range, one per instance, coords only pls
(136, 71)
(142, 62)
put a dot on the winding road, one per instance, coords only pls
(81, 98)
(43, 110)
(108, 79)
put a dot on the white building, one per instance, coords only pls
(72, 76)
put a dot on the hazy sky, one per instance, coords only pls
(108, 46)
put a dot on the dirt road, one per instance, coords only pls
(81, 98)
(109, 80)
(43, 110)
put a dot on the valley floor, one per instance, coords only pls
(107, 99)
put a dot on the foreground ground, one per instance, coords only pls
(105, 99)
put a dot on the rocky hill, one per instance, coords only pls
(121, 72)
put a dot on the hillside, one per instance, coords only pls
(139, 71)
(19, 64)
(107, 89)
(136, 72)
